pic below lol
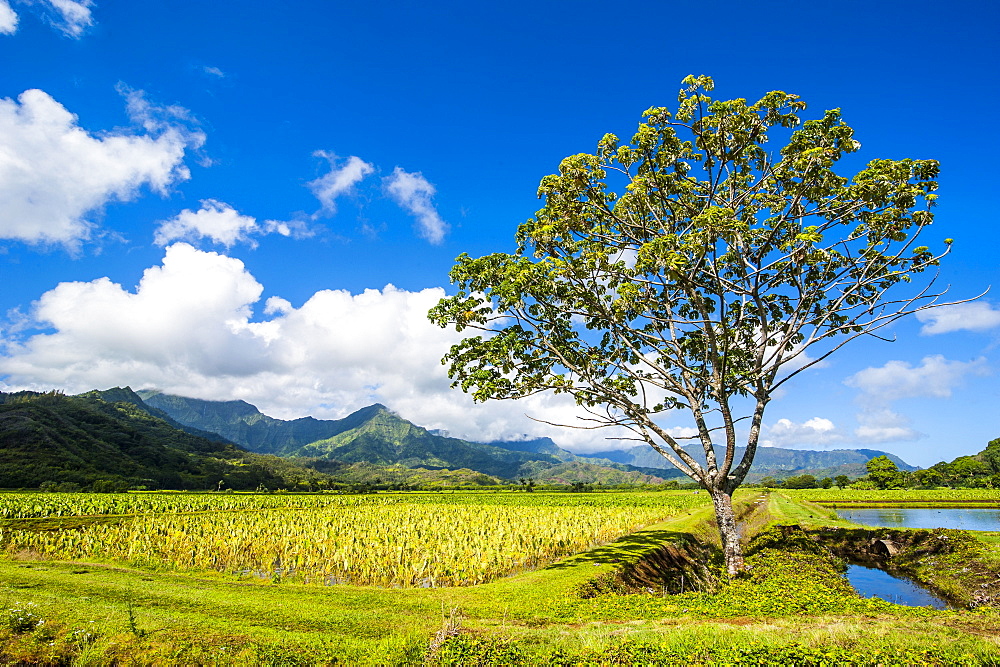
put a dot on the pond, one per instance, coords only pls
(871, 582)
(962, 518)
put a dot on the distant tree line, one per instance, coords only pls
(978, 471)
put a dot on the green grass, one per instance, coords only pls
(792, 609)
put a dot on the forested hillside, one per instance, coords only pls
(79, 440)
(376, 435)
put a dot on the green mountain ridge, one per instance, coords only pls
(84, 439)
(244, 424)
(186, 442)
(376, 435)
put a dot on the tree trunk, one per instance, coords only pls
(726, 518)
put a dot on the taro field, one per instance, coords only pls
(389, 540)
(915, 497)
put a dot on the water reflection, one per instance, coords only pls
(870, 582)
(970, 518)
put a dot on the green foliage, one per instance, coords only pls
(731, 273)
(801, 482)
(916, 497)
(494, 649)
(884, 474)
(467, 649)
(22, 618)
(523, 620)
(690, 268)
(980, 471)
(787, 576)
(386, 540)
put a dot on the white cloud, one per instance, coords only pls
(883, 425)
(413, 192)
(189, 328)
(185, 314)
(297, 229)
(215, 220)
(214, 71)
(171, 119)
(55, 177)
(935, 377)
(72, 16)
(815, 431)
(972, 316)
(683, 433)
(339, 181)
(8, 19)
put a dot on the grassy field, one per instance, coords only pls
(793, 608)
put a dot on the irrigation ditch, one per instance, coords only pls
(951, 564)
(679, 562)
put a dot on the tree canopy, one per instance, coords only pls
(691, 269)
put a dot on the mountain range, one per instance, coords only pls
(775, 462)
(80, 440)
(150, 438)
(376, 435)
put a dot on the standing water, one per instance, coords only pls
(871, 582)
(961, 518)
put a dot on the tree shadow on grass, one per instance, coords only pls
(627, 549)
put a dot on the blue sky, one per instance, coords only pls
(260, 200)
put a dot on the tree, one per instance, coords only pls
(928, 478)
(801, 482)
(769, 482)
(991, 455)
(842, 481)
(883, 473)
(692, 270)
(971, 472)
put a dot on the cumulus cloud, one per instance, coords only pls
(55, 177)
(187, 313)
(8, 19)
(413, 192)
(815, 431)
(935, 377)
(190, 327)
(215, 220)
(339, 181)
(972, 316)
(72, 17)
